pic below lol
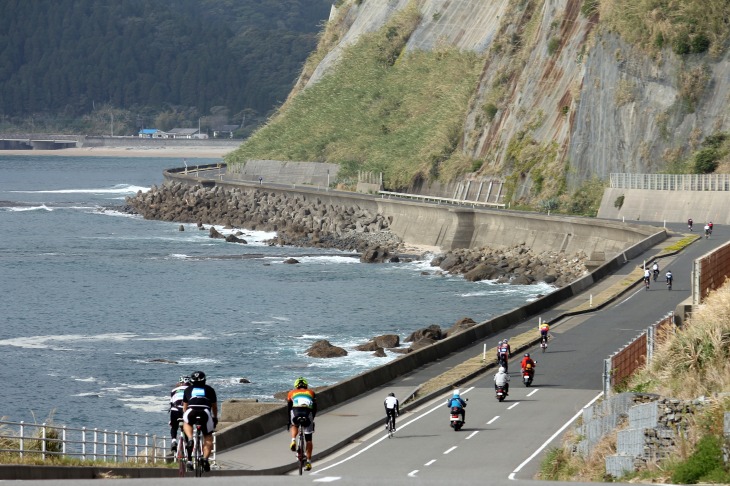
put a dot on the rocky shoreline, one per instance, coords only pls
(309, 222)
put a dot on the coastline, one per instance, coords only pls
(171, 152)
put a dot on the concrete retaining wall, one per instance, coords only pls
(671, 206)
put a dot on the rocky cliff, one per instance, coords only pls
(562, 96)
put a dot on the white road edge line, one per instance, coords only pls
(438, 407)
(451, 449)
(533, 392)
(513, 405)
(495, 418)
(641, 289)
(472, 434)
(545, 444)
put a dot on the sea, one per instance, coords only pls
(103, 311)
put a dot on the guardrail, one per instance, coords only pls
(671, 182)
(440, 200)
(49, 441)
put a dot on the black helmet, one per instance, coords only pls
(391, 394)
(527, 355)
(198, 378)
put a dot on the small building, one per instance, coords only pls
(224, 131)
(150, 133)
(185, 133)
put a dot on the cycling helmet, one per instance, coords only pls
(527, 355)
(186, 380)
(506, 341)
(501, 369)
(198, 378)
(300, 383)
(391, 394)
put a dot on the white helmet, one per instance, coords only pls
(501, 369)
(456, 393)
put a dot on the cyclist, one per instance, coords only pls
(544, 330)
(200, 403)
(647, 277)
(501, 378)
(690, 223)
(655, 270)
(710, 225)
(302, 402)
(176, 407)
(670, 278)
(391, 409)
(458, 402)
(707, 230)
(503, 352)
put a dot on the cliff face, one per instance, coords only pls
(561, 99)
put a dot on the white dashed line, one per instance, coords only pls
(513, 406)
(328, 479)
(494, 419)
(413, 473)
(472, 434)
(430, 462)
(449, 450)
(533, 392)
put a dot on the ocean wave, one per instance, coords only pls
(116, 189)
(19, 209)
(47, 342)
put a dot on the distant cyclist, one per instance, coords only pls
(302, 402)
(670, 279)
(176, 407)
(391, 409)
(503, 352)
(710, 225)
(655, 270)
(200, 403)
(544, 330)
(690, 223)
(707, 231)
(647, 277)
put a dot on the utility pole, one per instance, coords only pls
(112, 125)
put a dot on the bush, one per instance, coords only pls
(490, 109)
(705, 460)
(553, 45)
(619, 202)
(706, 161)
(589, 7)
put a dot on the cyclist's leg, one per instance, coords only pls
(308, 432)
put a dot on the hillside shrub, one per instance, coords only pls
(619, 202)
(553, 45)
(705, 460)
(706, 160)
(589, 7)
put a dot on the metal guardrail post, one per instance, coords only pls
(63, 440)
(43, 441)
(650, 335)
(95, 442)
(22, 438)
(83, 443)
(606, 377)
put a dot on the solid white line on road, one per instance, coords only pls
(513, 406)
(472, 434)
(641, 289)
(495, 418)
(430, 462)
(450, 450)
(413, 473)
(560, 431)
(374, 443)
(533, 392)
(328, 479)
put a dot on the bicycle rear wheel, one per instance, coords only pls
(301, 451)
(198, 456)
(181, 459)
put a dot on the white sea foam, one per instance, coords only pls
(48, 342)
(311, 337)
(149, 403)
(90, 379)
(140, 387)
(282, 319)
(325, 259)
(20, 209)
(196, 361)
(116, 189)
(166, 337)
(179, 256)
(88, 394)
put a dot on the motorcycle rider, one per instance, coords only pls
(458, 402)
(526, 360)
(501, 378)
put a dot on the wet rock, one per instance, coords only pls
(325, 349)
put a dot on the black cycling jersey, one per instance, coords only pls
(200, 396)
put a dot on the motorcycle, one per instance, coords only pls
(456, 421)
(527, 375)
(501, 393)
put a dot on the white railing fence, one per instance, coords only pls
(47, 441)
(671, 182)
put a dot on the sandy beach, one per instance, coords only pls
(172, 152)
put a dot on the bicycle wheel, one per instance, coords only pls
(391, 427)
(301, 451)
(198, 456)
(180, 456)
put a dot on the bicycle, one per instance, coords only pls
(301, 450)
(669, 284)
(646, 282)
(197, 454)
(391, 426)
(181, 452)
(543, 343)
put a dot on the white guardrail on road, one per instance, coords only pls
(440, 200)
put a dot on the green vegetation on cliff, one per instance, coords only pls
(380, 109)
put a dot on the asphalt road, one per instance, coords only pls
(500, 441)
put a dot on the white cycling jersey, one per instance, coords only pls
(391, 402)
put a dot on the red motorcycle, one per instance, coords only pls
(501, 393)
(527, 374)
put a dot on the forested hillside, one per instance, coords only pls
(165, 63)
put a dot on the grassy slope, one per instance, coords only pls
(381, 110)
